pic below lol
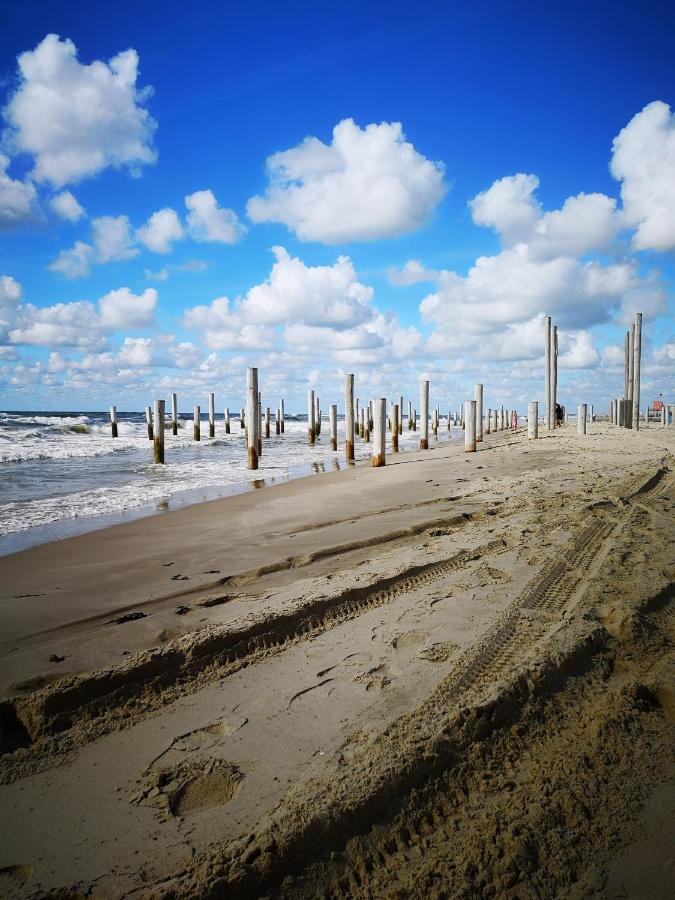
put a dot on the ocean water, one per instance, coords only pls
(63, 473)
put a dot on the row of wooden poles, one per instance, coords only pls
(625, 411)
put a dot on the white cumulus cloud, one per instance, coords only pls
(75, 119)
(643, 159)
(18, 199)
(123, 309)
(368, 183)
(160, 231)
(207, 221)
(508, 206)
(66, 206)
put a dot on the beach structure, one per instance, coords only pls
(395, 425)
(424, 415)
(332, 416)
(226, 419)
(581, 418)
(252, 417)
(550, 370)
(311, 412)
(470, 426)
(267, 422)
(379, 431)
(196, 423)
(478, 397)
(349, 417)
(282, 416)
(532, 420)
(174, 414)
(212, 415)
(158, 437)
(113, 421)
(148, 419)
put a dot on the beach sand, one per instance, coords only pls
(451, 677)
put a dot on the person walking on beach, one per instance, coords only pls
(558, 415)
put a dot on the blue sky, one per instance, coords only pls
(432, 248)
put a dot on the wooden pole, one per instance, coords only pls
(113, 421)
(317, 419)
(258, 424)
(267, 422)
(349, 417)
(547, 369)
(478, 397)
(212, 415)
(379, 431)
(226, 417)
(637, 352)
(242, 419)
(283, 416)
(410, 416)
(158, 438)
(395, 426)
(470, 426)
(400, 416)
(554, 374)
(626, 354)
(488, 421)
(251, 415)
(277, 421)
(581, 419)
(424, 415)
(311, 409)
(148, 419)
(532, 420)
(332, 415)
(174, 414)
(366, 423)
(196, 423)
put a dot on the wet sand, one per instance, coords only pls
(449, 677)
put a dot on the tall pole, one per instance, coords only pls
(349, 417)
(478, 397)
(158, 435)
(626, 370)
(637, 351)
(174, 413)
(311, 409)
(379, 431)
(424, 415)
(251, 417)
(470, 426)
(547, 369)
(554, 374)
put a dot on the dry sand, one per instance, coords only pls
(451, 677)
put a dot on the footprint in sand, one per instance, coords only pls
(408, 639)
(439, 652)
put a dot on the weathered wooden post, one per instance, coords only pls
(395, 425)
(267, 422)
(357, 418)
(424, 415)
(631, 356)
(547, 369)
(277, 421)
(158, 437)
(470, 426)
(626, 370)
(349, 417)
(311, 409)
(532, 420)
(242, 420)
(637, 352)
(379, 431)
(113, 421)
(317, 419)
(332, 415)
(196, 423)
(400, 416)
(174, 414)
(581, 419)
(148, 419)
(283, 416)
(251, 417)
(362, 430)
(410, 416)
(366, 423)
(478, 397)
(212, 415)
(226, 417)
(554, 373)
(258, 424)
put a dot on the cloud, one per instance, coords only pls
(75, 262)
(66, 206)
(191, 265)
(578, 351)
(79, 323)
(643, 159)
(368, 183)
(207, 221)
(413, 272)
(77, 120)
(18, 199)
(112, 240)
(509, 207)
(122, 309)
(160, 231)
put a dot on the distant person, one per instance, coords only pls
(558, 415)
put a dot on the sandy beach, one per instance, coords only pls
(448, 677)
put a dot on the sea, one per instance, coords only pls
(62, 473)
